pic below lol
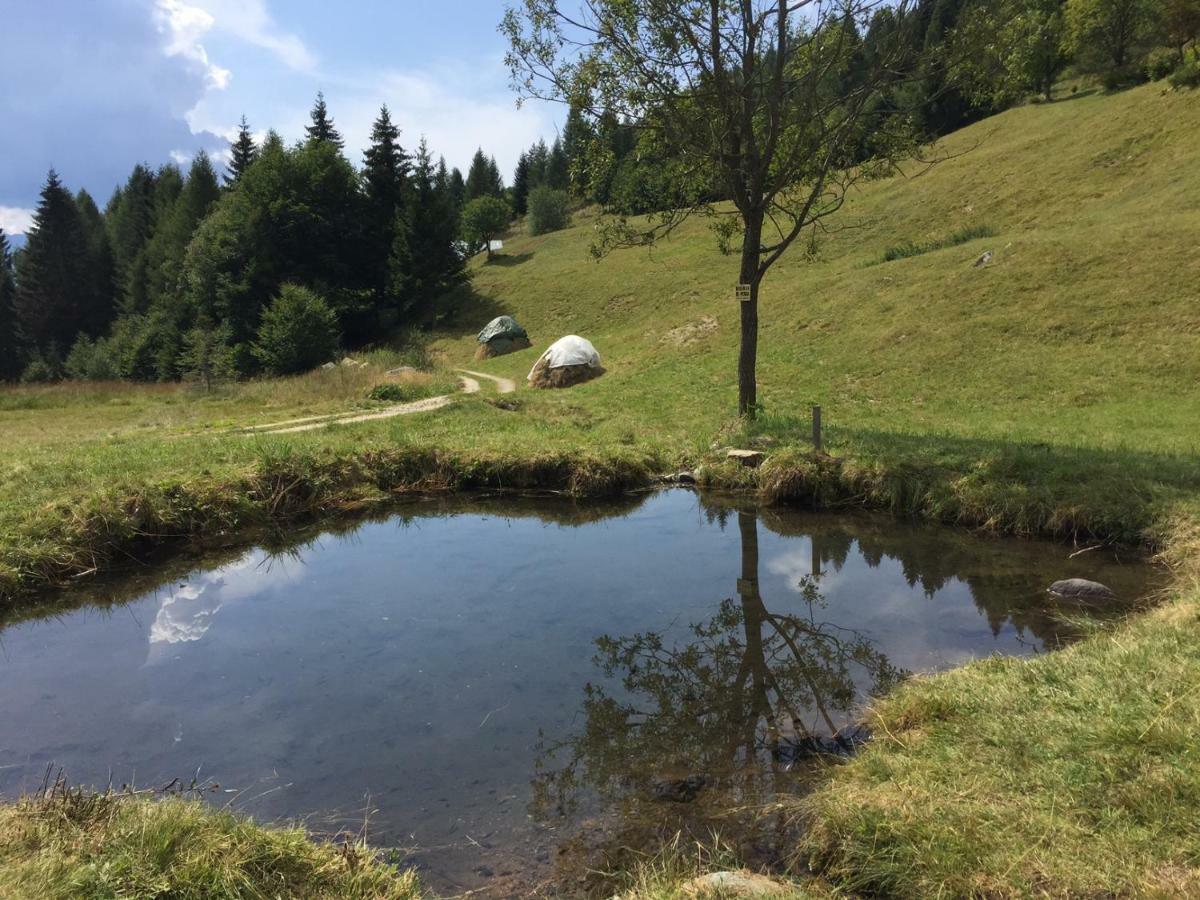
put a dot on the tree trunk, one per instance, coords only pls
(748, 354)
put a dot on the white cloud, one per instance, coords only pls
(181, 157)
(15, 220)
(184, 26)
(249, 21)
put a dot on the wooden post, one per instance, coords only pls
(816, 413)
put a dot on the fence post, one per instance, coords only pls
(816, 416)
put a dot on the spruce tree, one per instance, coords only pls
(458, 190)
(130, 222)
(479, 179)
(495, 181)
(577, 139)
(539, 160)
(241, 154)
(11, 362)
(52, 296)
(321, 129)
(558, 175)
(520, 189)
(101, 304)
(385, 181)
(425, 259)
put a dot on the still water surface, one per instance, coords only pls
(519, 686)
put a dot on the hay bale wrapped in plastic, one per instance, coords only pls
(569, 360)
(501, 336)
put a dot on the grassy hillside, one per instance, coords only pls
(1053, 390)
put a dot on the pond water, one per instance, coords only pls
(513, 690)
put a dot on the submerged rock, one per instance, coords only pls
(679, 790)
(1082, 591)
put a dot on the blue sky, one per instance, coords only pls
(91, 87)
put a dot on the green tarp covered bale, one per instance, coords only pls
(502, 335)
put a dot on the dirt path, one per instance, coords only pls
(470, 385)
(312, 423)
(503, 385)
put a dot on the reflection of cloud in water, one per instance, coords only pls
(186, 614)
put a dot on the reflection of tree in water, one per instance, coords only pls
(1007, 578)
(724, 714)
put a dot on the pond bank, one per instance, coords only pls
(79, 537)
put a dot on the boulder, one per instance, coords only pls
(1082, 592)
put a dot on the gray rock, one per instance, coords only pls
(734, 884)
(750, 458)
(1082, 592)
(984, 260)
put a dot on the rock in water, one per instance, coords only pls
(679, 790)
(1082, 591)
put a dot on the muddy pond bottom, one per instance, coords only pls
(512, 691)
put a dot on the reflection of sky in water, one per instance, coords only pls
(412, 668)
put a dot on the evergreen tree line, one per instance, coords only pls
(179, 274)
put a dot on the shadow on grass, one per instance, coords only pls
(466, 311)
(509, 259)
(1118, 493)
(1077, 95)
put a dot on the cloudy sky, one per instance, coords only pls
(92, 86)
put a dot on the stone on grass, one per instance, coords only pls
(733, 885)
(750, 458)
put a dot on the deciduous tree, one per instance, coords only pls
(747, 96)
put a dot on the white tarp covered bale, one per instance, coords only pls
(567, 361)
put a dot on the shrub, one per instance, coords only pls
(1160, 63)
(92, 360)
(298, 332)
(548, 210)
(1123, 77)
(1187, 75)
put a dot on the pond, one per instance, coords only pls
(514, 690)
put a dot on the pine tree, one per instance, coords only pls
(321, 129)
(520, 189)
(11, 362)
(385, 180)
(241, 154)
(479, 180)
(52, 296)
(425, 259)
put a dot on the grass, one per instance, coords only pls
(1072, 775)
(1052, 392)
(71, 844)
